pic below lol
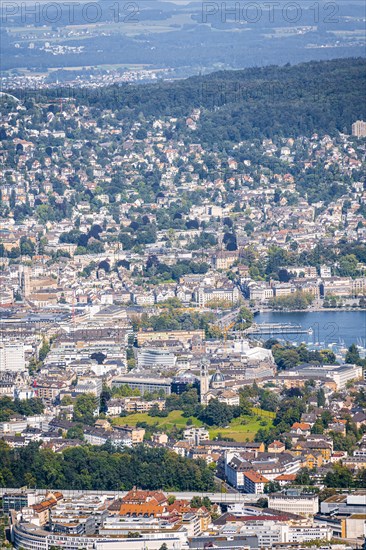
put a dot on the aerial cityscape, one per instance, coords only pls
(183, 275)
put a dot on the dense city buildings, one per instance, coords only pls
(182, 310)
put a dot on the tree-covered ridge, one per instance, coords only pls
(102, 468)
(324, 97)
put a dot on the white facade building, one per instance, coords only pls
(270, 532)
(150, 357)
(304, 504)
(12, 356)
(196, 435)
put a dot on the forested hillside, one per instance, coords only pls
(322, 97)
(104, 468)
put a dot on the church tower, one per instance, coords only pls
(24, 276)
(204, 381)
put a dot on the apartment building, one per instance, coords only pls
(359, 129)
(205, 295)
(144, 383)
(12, 356)
(132, 432)
(196, 435)
(254, 482)
(183, 336)
(260, 292)
(224, 259)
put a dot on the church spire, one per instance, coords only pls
(204, 380)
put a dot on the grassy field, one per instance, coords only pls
(240, 429)
(174, 418)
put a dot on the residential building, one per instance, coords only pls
(254, 482)
(144, 383)
(359, 129)
(12, 356)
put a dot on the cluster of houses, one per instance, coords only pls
(40, 174)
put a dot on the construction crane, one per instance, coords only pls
(227, 329)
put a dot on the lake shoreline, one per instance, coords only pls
(312, 310)
(342, 327)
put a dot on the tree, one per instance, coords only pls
(290, 411)
(206, 502)
(99, 357)
(245, 318)
(104, 398)
(318, 427)
(217, 413)
(124, 391)
(44, 350)
(327, 357)
(286, 358)
(262, 502)
(303, 477)
(102, 468)
(352, 355)
(27, 247)
(360, 480)
(297, 300)
(272, 487)
(76, 432)
(268, 400)
(344, 443)
(85, 407)
(198, 502)
(245, 404)
(264, 436)
(321, 397)
(66, 400)
(141, 133)
(340, 477)
(348, 265)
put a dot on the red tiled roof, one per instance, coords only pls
(138, 496)
(286, 477)
(301, 425)
(276, 445)
(255, 477)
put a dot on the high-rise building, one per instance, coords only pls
(359, 128)
(12, 356)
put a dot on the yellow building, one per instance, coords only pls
(184, 336)
(313, 448)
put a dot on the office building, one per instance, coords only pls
(294, 503)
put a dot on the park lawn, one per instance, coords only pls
(174, 418)
(239, 431)
(236, 430)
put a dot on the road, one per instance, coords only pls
(228, 489)
(225, 320)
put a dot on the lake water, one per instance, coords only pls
(339, 327)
